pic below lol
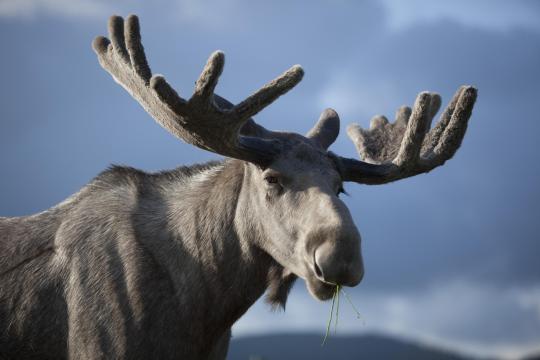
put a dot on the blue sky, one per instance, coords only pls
(451, 256)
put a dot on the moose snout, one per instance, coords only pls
(338, 266)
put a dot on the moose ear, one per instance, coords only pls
(326, 130)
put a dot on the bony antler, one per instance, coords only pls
(390, 151)
(407, 147)
(205, 120)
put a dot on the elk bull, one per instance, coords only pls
(140, 266)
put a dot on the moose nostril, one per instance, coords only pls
(337, 270)
(318, 271)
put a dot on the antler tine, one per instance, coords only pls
(135, 48)
(432, 139)
(116, 33)
(269, 93)
(416, 130)
(194, 121)
(453, 134)
(205, 85)
(402, 115)
(434, 106)
(405, 148)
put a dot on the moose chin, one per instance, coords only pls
(160, 265)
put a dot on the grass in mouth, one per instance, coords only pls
(335, 304)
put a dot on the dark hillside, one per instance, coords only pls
(308, 346)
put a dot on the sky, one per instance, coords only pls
(451, 257)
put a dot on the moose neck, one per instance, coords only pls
(208, 244)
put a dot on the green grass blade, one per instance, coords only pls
(338, 290)
(329, 320)
(350, 302)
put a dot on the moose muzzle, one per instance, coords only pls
(339, 263)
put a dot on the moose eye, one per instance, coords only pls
(271, 179)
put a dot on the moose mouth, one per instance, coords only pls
(319, 289)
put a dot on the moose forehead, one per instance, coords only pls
(301, 155)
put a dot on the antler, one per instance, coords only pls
(205, 120)
(393, 151)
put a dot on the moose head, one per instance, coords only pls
(291, 182)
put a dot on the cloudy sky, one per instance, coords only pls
(451, 257)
